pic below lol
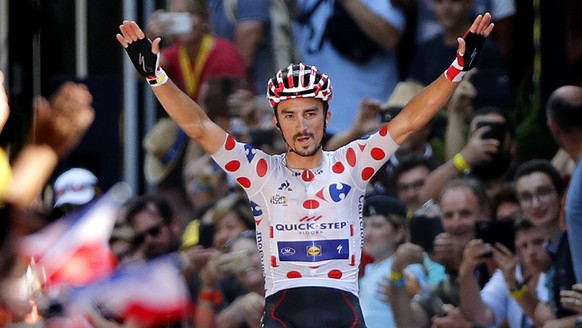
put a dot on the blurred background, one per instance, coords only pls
(44, 42)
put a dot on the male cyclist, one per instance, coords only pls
(307, 202)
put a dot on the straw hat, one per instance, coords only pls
(402, 94)
(164, 145)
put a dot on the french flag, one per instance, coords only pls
(153, 292)
(75, 250)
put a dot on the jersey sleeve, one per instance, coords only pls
(365, 156)
(248, 166)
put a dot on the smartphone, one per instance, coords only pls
(496, 231)
(423, 230)
(177, 22)
(206, 235)
(497, 130)
(234, 262)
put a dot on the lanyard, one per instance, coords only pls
(192, 76)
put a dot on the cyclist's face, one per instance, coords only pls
(302, 123)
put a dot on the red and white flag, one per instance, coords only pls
(154, 292)
(75, 250)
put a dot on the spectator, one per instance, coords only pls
(353, 81)
(74, 189)
(491, 77)
(488, 155)
(462, 203)
(564, 114)
(195, 56)
(384, 230)
(504, 203)
(409, 178)
(165, 146)
(241, 259)
(247, 24)
(157, 233)
(540, 188)
(516, 292)
(60, 124)
(502, 11)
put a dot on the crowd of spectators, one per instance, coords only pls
(460, 175)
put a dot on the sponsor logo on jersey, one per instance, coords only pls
(285, 186)
(313, 250)
(311, 226)
(279, 200)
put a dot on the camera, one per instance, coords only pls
(177, 22)
(425, 225)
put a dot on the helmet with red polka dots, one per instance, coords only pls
(299, 81)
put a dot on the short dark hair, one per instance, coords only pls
(411, 161)
(499, 111)
(541, 166)
(522, 223)
(140, 203)
(503, 194)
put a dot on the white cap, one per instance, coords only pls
(75, 186)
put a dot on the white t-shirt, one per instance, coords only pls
(494, 294)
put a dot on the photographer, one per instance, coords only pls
(516, 291)
(463, 202)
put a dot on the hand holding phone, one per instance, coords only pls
(497, 130)
(233, 262)
(177, 22)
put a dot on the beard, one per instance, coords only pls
(306, 152)
(493, 169)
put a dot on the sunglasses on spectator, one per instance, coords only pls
(152, 231)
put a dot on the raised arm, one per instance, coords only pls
(145, 56)
(422, 108)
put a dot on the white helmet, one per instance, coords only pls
(299, 81)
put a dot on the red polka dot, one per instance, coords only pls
(262, 167)
(351, 157)
(232, 166)
(377, 154)
(367, 173)
(384, 131)
(307, 176)
(335, 274)
(311, 204)
(338, 167)
(230, 142)
(244, 182)
(293, 274)
(353, 262)
(274, 262)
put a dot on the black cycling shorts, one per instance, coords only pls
(313, 307)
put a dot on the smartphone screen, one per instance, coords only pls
(423, 230)
(496, 231)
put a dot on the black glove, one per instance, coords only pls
(146, 62)
(473, 44)
(463, 63)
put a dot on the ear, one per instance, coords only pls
(327, 117)
(276, 122)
